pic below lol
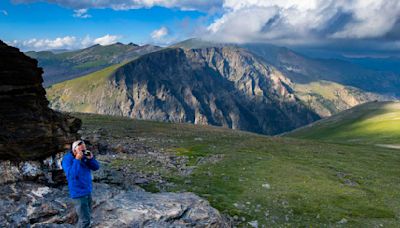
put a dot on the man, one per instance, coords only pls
(77, 167)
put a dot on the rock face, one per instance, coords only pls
(29, 130)
(226, 86)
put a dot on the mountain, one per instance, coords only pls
(264, 89)
(61, 66)
(225, 86)
(326, 89)
(388, 61)
(304, 70)
(382, 64)
(195, 43)
(369, 123)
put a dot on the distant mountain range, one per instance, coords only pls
(381, 64)
(64, 65)
(301, 69)
(256, 87)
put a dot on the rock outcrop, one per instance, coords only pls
(25, 204)
(29, 130)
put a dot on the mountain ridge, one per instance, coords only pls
(72, 64)
(200, 103)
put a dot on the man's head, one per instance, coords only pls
(78, 146)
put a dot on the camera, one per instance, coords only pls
(87, 152)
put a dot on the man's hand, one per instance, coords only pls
(79, 155)
(90, 156)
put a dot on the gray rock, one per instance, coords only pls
(9, 172)
(342, 221)
(52, 225)
(47, 171)
(31, 170)
(143, 209)
(36, 205)
(253, 224)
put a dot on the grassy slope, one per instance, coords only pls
(69, 92)
(371, 123)
(98, 56)
(310, 183)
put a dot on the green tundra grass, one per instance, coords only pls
(370, 123)
(279, 181)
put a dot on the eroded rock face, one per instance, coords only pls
(29, 130)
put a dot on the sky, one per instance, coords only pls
(347, 25)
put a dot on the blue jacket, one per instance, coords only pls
(78, 174)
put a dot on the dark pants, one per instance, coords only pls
(83, 207)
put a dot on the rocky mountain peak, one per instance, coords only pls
(223, 86)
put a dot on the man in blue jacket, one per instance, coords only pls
(77, 167)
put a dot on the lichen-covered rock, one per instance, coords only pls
(29, 130)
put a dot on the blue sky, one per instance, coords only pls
(41, 20)
(329, 24)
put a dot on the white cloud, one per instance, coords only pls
(371, 18)
(160, 33)
(87, 41)
(4, 12)
(304, 21)
(81, 13)
(106, 40)
(67, 42)
(276, 21)
(57, 43)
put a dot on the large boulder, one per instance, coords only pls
(28, 204)
(29, 130)
(143, 209)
